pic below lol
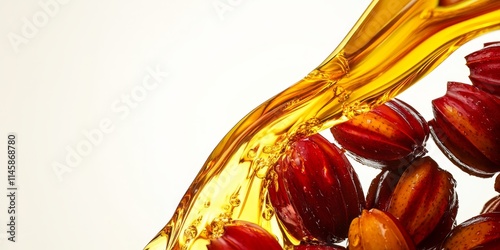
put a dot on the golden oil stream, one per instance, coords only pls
(392, 46)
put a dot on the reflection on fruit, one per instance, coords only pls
(423, 200)
(376, 229)
(484, 68)
(381, 189)
(242, 235)
(479, 232)
(466, 127)
(391, 135)
(493, 205)
(315, 191)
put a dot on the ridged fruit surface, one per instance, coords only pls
(242, 235)
(466, 127)
(484, 66)
(479, 232)
(315, 191)
(424, 197)
(492, 205)
(381, 188)
(390, 135)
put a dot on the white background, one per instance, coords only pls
(77, 62)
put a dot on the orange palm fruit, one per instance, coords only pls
(375, 229)
(425, 201)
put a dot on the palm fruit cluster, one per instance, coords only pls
(412, 203)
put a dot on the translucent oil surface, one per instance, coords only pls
(394, 44)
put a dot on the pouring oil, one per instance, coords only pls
(394, 44)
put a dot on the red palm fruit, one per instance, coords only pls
(243, 235)
(425, 199)
(466, 127)
(381, 188)
(390, 135)
(493, 205)
(375, 229)
(315, 191)
(306, 246)
(479, 232)
(484, 68)
(435, 238)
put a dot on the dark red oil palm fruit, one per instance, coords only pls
(381, 188)
(492, 205)
(425, 202)
(479, 232)
(484, 66)
(243, 235)
(466, 127)
(315, 191)
(390, 135)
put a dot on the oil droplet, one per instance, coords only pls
(268, 212)
(206, 204)
(190, 232)
(354, 109)
(217, 227)
(204, 233)
(198, 220)
(251, 154)
(427, 14)
(316, 75)
(267, 150)
(355, 240)
(235, 201)
(262, 171)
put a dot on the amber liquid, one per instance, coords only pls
(394, 44)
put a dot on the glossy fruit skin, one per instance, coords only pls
(243, 235)
(484, 66)
(425, 202)
(466, 127)
(391, 135)
(381, 188)
(479, 232)
(492, 205)
(376, 229)
(315, 191)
